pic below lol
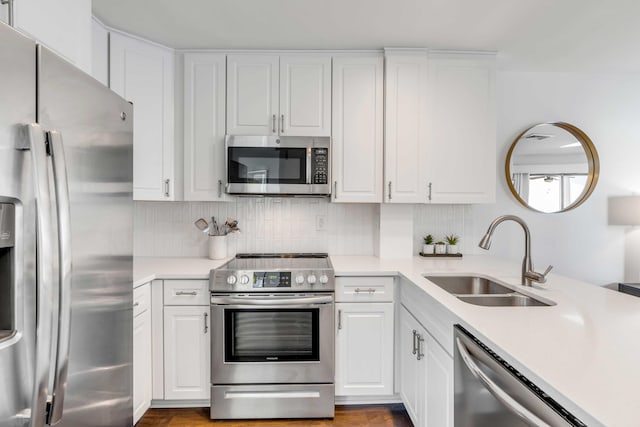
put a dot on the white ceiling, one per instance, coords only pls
(554, 35)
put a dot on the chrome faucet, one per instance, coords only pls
(528, 274)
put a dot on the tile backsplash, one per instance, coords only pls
(165, 229)
(440, 221)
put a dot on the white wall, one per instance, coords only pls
(578, 243)
(267, 224)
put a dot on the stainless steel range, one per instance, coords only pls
(272, 342)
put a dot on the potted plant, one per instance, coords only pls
(452, 244)
(441, 248)
(427, 248)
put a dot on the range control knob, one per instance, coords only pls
(300, 279)
(231, 280)
(324, 279)
(311, 279)
(244, 279)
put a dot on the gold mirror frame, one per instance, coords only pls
(592, 160)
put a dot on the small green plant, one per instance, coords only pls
(452, 239)
(428, 239)
(440, 243)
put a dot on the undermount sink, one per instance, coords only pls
(484, 291)
(509, 300)
(469, 285)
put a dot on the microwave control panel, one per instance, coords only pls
(320, 166)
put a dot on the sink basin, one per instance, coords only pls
(483, 291)
(510, 300)
(469, 285)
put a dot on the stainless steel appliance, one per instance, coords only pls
(272, 343)
(272, 165)
(489, 392)
(65, 243)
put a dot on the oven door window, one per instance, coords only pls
(253, 165)
(271, 335)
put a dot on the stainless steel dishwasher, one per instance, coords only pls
(489, 392)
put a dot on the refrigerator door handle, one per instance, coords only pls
(37, 144)
(65, 268)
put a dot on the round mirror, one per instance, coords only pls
(552, 167)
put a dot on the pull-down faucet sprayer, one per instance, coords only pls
(528, 274)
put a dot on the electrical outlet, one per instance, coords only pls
(321, 222)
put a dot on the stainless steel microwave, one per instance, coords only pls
(278, 165)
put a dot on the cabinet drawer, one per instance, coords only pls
(364, 289)
(141, 299)
(186, 292)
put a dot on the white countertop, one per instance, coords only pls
(146, 269)
(584, 351)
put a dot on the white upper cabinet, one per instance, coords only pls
(271, 95)
(204, 126)
(462, 161)
(406, 127)
(143, 74)
(99, 52)
(63, 26)
(357, 128)
(305, 95)
(252, 95)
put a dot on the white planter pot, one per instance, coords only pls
(217, 247)
(441, 249)
(452, 249)
(427, 249)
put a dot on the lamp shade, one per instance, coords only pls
(624, 210)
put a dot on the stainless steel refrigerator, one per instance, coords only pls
(65, 243)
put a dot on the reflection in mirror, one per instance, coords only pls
(552, 167)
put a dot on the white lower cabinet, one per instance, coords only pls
(364, 349)
(364, 336)
(426, 375)
(141, 352)
(186, 352)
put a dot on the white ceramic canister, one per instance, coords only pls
(217, 247)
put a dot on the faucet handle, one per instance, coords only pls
(538, 277)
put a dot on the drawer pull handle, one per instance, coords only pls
(137, 303)
(369, 291)
(191, 293)
(206, 323)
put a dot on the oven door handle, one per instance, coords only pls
(271, 301)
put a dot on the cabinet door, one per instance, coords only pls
(406, 130)
(143, 74)
(462, 159)
(64, 27)
(305, 95)
(141, 364)
(204, 126)
(410, 383)
(357, 129)
(186, 348)
(252, 95)
(99, 52)
(364, 349)
(439, 385)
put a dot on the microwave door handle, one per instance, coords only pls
(309, 165)
(527, 416)
(37, 144)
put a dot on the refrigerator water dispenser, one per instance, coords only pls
(7, 243)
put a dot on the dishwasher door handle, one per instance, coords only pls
(515, 407)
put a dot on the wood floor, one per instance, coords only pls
(351, 416)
